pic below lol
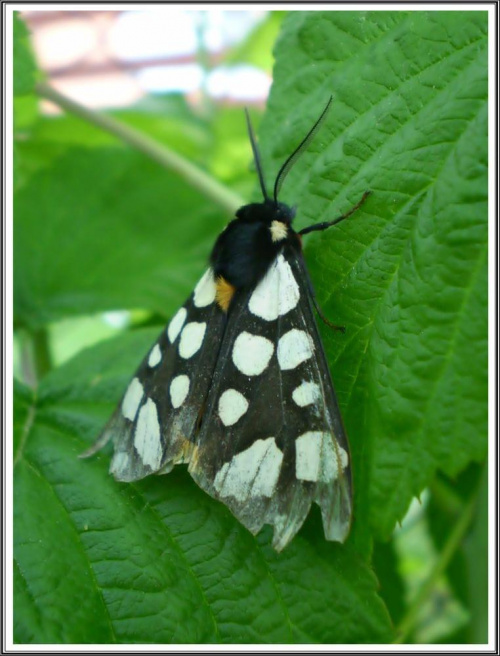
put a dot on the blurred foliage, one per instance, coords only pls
(257, 49)
(99, 227)
(25, 67)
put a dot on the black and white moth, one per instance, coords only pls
(237, 386)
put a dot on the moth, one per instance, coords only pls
(238, 387)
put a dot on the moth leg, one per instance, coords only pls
(316, 305)
(327, 224)
(341, 329)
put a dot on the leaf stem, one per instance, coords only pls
(169, 159)
(454, 541)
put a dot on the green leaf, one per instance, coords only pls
(230, 157)
(24, 63)
(407, 275)
(25, 114)
(104, 228)
(23, 415)
(386, 566)
(159, 560)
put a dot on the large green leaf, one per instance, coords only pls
(104, 228)
(408, 276)
(159, 560)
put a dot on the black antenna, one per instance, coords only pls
(256, 155)
(298, 151)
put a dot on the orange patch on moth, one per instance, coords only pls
(224, 293)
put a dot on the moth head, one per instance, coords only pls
(266, 212)
(280, 211)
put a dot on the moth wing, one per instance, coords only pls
(272, 440)
(155, 423)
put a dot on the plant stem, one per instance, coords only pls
(169, 159)
(454, 541)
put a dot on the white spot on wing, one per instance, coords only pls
(232, 406)
(277, 293)
(251, 353)
(252, 473)
(295, 347)
(204, 292)
(174, 327)
(191, 339)
(307, 455)
(306, 393)
(132, 399)
(179, 389)
(154, 356)
(147, 435)
(316, 457)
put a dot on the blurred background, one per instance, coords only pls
(115, 58)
